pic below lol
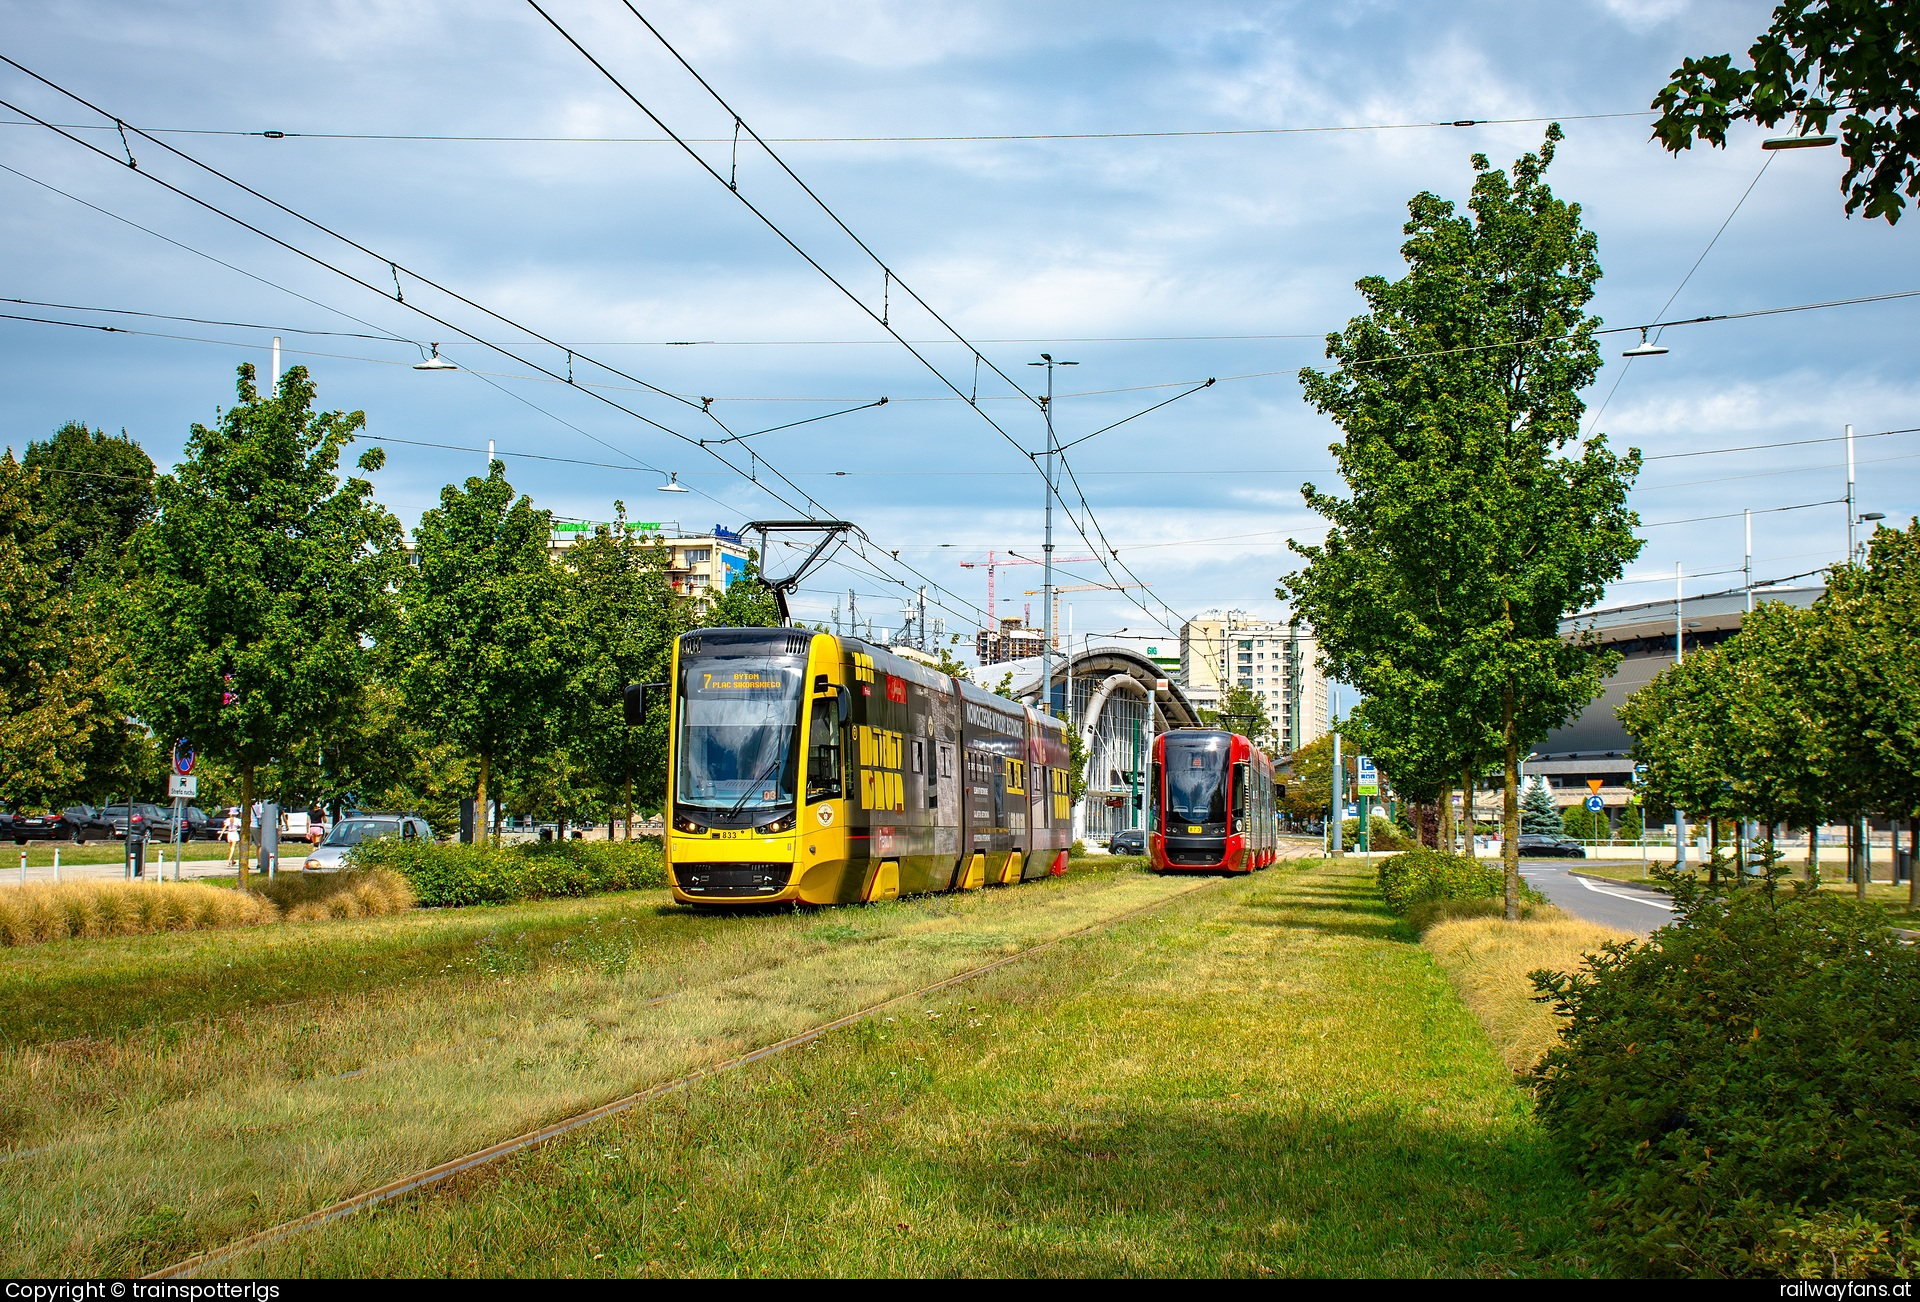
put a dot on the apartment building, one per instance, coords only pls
(697, 563)
(1271, 659)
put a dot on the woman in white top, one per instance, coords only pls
(230, 831)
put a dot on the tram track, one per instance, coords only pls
(496, 1152)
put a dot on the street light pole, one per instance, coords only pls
(1850, 519)
(1679, 657)
(1046, 579)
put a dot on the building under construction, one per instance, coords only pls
(1015, 639)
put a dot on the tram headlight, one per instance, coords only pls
(683, 824)
(779, 825)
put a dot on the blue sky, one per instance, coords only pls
(1140, 258)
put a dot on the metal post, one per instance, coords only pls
(1748, 516)
(1339, 800)
(1046, 577)
(276, 364)
(1850, 520)
(179, 816)
(1679, 657)
(56, 865)
(1138, 784)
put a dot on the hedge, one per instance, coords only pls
(446, 876)
(1742, 1092)
(1419, 875)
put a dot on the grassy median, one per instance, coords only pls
(1265, 1077)
(214, 1095)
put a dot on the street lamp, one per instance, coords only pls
(1797, 142)
(435, 362)
(673, 485)
(1046, 582)
(1645, 348)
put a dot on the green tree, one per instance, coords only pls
(52, 657)
(1310, 780)
(480, 643)
(96, 492)
(1470, 527)
(745, 603)
(625, 618)
(263, 576)
(1243, 712)
(1857, 58)
(1633, 823)
(1864, 675)
(1538, 817)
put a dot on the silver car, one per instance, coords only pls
(330, 855)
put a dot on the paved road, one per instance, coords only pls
(1632, 908)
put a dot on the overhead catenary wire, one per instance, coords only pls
(1196, 133)
(887, 270)
(395, 268)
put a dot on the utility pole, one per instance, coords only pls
(276, 365)
(1679, 657)
(1046, 581)
(1339, 797)
(923, 617)
(853, 614)
(1747, 515)
(1850, 521)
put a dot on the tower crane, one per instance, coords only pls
(1006, 560)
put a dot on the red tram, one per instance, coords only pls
(1210, 803)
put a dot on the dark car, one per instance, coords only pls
(76, 824)
(202, 826)
(1549, 847)
(89, 823)
(1130, 841)
(150, 822)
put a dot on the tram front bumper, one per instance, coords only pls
(732, 869)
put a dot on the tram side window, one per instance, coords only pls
(946, 761)
(919, 755)
(1153, 796)
(823, 752)
(1239, 796)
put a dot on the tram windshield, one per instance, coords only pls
(739, 720)
(1196, 779)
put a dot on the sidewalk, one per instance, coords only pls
(190, 870)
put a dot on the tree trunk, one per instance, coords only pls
(1443, 834)
(629, 806)
(246, 820)
(1863, 863)
(1510, 806)
(480, 795)
(1813, 851)
(1713, 851)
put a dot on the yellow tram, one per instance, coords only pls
(806, 767)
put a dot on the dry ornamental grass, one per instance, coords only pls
(40, 912)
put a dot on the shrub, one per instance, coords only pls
(46, 911)
(1742, 1093)
(1419, 875)
(452, 875)
(358, 893)
(1386, 836)
(1078, 850)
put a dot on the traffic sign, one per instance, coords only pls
(183, 756)
(1369, 784)
(1596, 804)
(1594, 785)
(182, 786)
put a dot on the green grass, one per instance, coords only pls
(1265, 1076)
(1833, 877)
(209, 1101)
(40, 853)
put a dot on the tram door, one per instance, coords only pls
(982, 803)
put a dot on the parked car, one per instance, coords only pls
(90, 823)
(1130, 841)
(147, 820)
(1541, 846)
(330, 855)
(6, 821)
(67, 825)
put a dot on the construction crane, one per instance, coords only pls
(1006, 560)
(1080, 587)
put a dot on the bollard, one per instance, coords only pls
(56, 865)
(23, 867)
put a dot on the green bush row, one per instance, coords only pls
(1742, 1093)
(445, 876)
(1420, 875)
(1387, 835)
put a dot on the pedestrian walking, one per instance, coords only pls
(230, 832)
